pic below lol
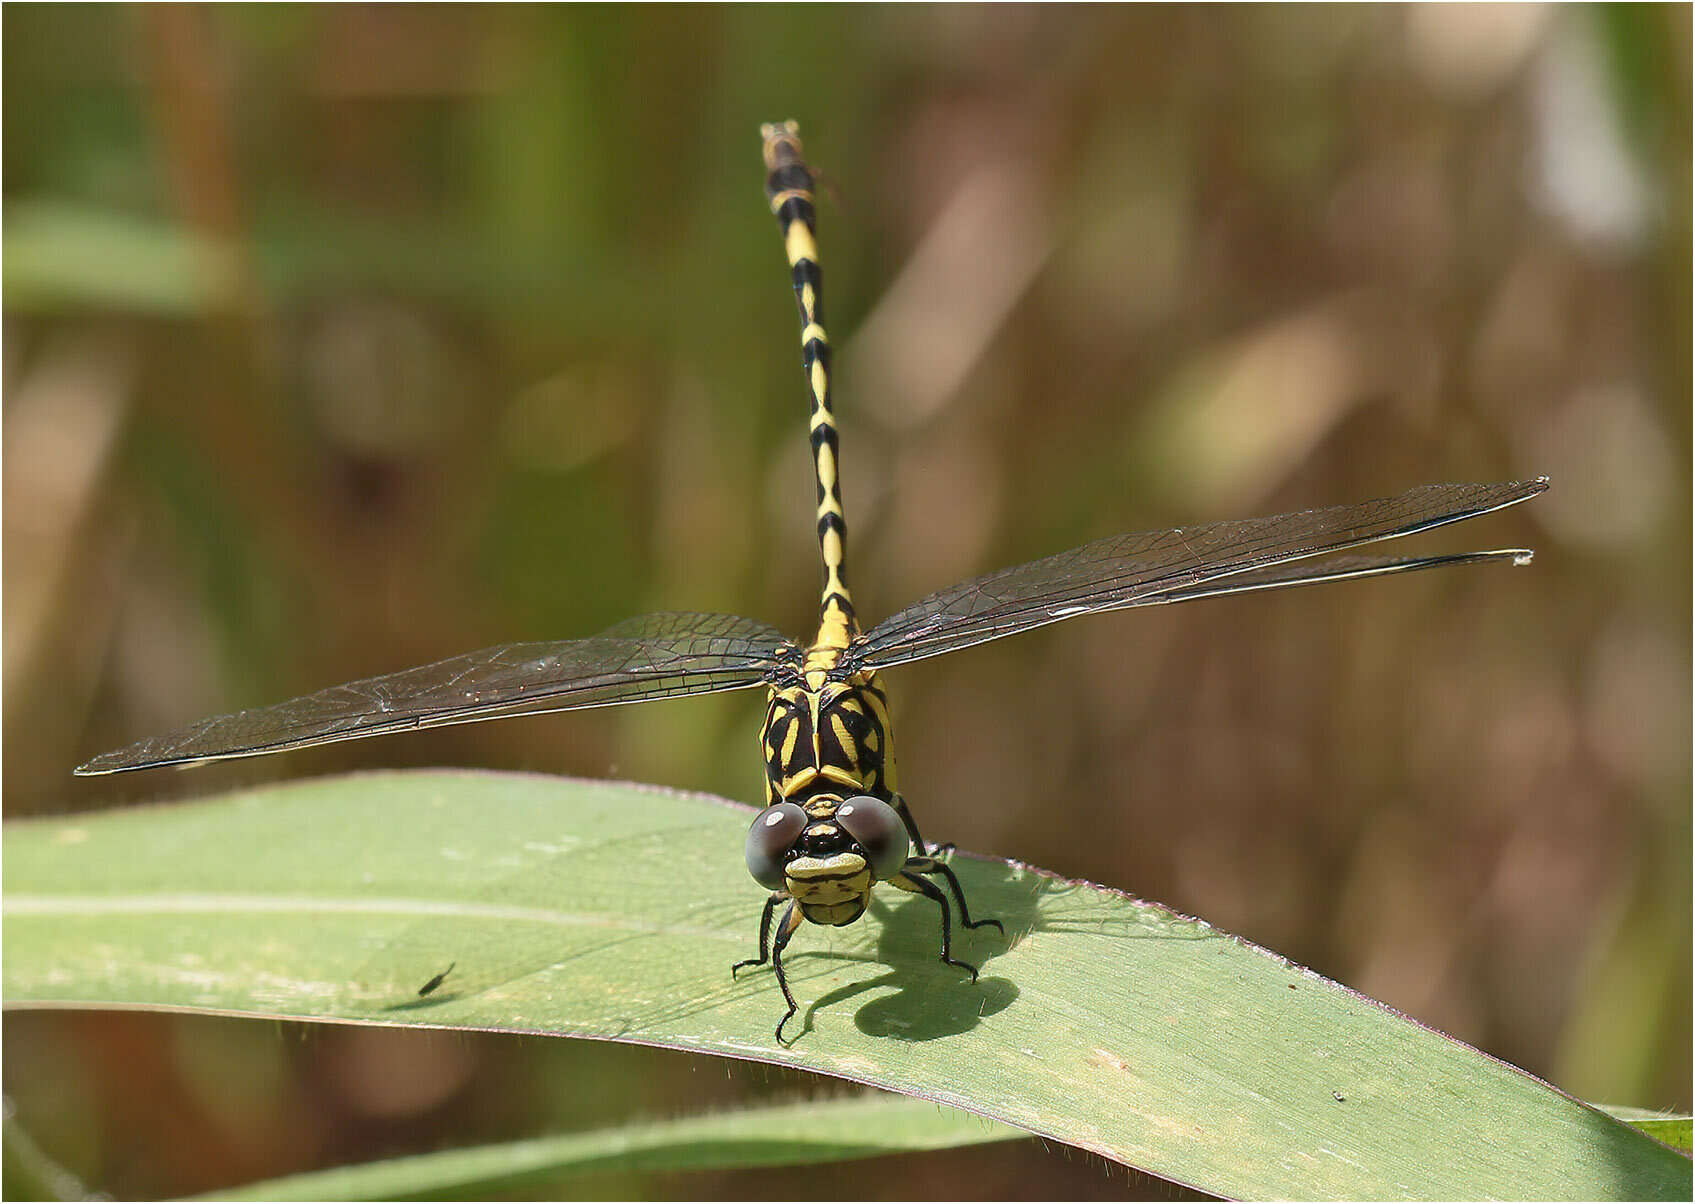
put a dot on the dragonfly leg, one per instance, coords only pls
(905, 814)
(764, 935)
(791, 921)
(946, 871)
(918, 845)
(906, 881)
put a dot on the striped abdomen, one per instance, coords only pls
(789, 187)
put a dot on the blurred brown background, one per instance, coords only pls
(340, 339)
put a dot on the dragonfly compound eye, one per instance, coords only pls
(773, 834)
(877, 828)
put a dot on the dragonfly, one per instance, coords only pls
(834, 824)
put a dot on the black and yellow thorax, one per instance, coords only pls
(826, 736)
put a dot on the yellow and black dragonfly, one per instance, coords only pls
(834, 824)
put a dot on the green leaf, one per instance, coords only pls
(602, 910)
(787, 1135)
(1672, 1128)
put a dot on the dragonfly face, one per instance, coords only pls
(828, 854)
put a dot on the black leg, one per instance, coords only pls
(923, 886)
(946, 871)
(918, 845)
(764, 937)
(919, 848)
(791, 921)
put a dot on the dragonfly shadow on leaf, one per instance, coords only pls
(1028, 902)
(1040, 902)
(930, 999)
(922, 1004)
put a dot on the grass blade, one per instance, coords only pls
(611, 911)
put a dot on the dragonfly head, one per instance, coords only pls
(827, 855)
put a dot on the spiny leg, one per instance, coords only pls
(922, 849)
(774, 953)
(933, 866)
(764, 934)
(905, 814)
(923, 886)
(791, 921)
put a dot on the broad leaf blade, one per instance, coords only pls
(613, 911)
(816, 1131)
(1672, 1128)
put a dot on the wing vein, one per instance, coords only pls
(1175, 564)
(666, 655)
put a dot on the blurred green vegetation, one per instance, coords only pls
(343, 338)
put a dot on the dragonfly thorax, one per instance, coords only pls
(832, 739)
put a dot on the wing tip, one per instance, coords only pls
(116, 762)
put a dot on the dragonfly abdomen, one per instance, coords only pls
(788, 184)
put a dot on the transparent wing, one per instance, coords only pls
(1339, 568)
(655, 656)
(1178, 565)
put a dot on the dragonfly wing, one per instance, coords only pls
(655, 656)
(1177, 564)
(1337, 568)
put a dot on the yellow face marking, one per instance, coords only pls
(836, 915)
(828, 880)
